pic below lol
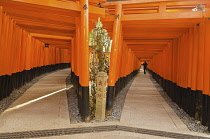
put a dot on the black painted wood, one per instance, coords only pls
(85, 103)
(10, 82)
(193, 102)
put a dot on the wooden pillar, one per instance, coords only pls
(195, 58)
(84, 78)
(175, 59)
(170, 61)
(28, 53)
(200, 73)
(72, 55)
(1, 19)
(4, 34)
(185, 48)
(2, 85)
(78, 47)
(200, 65)
(122, 69)
(190, 37)
(119, 65)
(206, 87)
(114, 57)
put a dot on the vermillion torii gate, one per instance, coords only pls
(167, 34)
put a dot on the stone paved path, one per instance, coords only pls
(146, 115)
(144, 107)
(32, 112)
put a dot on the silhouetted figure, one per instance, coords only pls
(145, 66)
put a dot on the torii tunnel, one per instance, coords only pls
(39, 36)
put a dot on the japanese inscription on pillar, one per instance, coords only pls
(101, 96)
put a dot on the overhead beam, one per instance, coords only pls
(132, 2)
(167, 21)
(147, 41)
(40, 20)
(131, 29)
(50, 32)
(52, 3)
(60, 46)
(55, 41)
(192, 2)
(50, 36)
(42, 25)
(147, 51)
(146, 45)
(152, 36)
(145, 55)
(73, 6)
(176, 15)
(155, 2)
(147, 48)
(158, 26)
(151, 19)
(44, 16)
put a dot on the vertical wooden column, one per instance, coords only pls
(1, 20)
(1, 57)
(195, 58)
(84, 78)
(200, 65)
(185, 48)
(114, 57)
(190, 37)
(1, 32)
(122, 69)
(207, 62)
(173, 61)
(170, 61)
(72, 55)
(179, 63)
(206, 84)
(3, 43)
(206, 80)
(119, 66)
(78, 47)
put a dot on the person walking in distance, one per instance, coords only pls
(145, 66)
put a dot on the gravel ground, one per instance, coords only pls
(75, 117)
(6, 102)
(74, 114)
(191, 123)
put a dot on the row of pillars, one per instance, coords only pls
(182, 69)
(186, 60)
(23, 57)
(123, 62)
(20, 51)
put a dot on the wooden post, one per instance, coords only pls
(206, 86)
(114, 57)
(3, 44)
(84, 78)
(1, 39)
(195, 58)
(120, 39)
(72, 55)
(200, 65)
(190, 37)
(78, 47)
